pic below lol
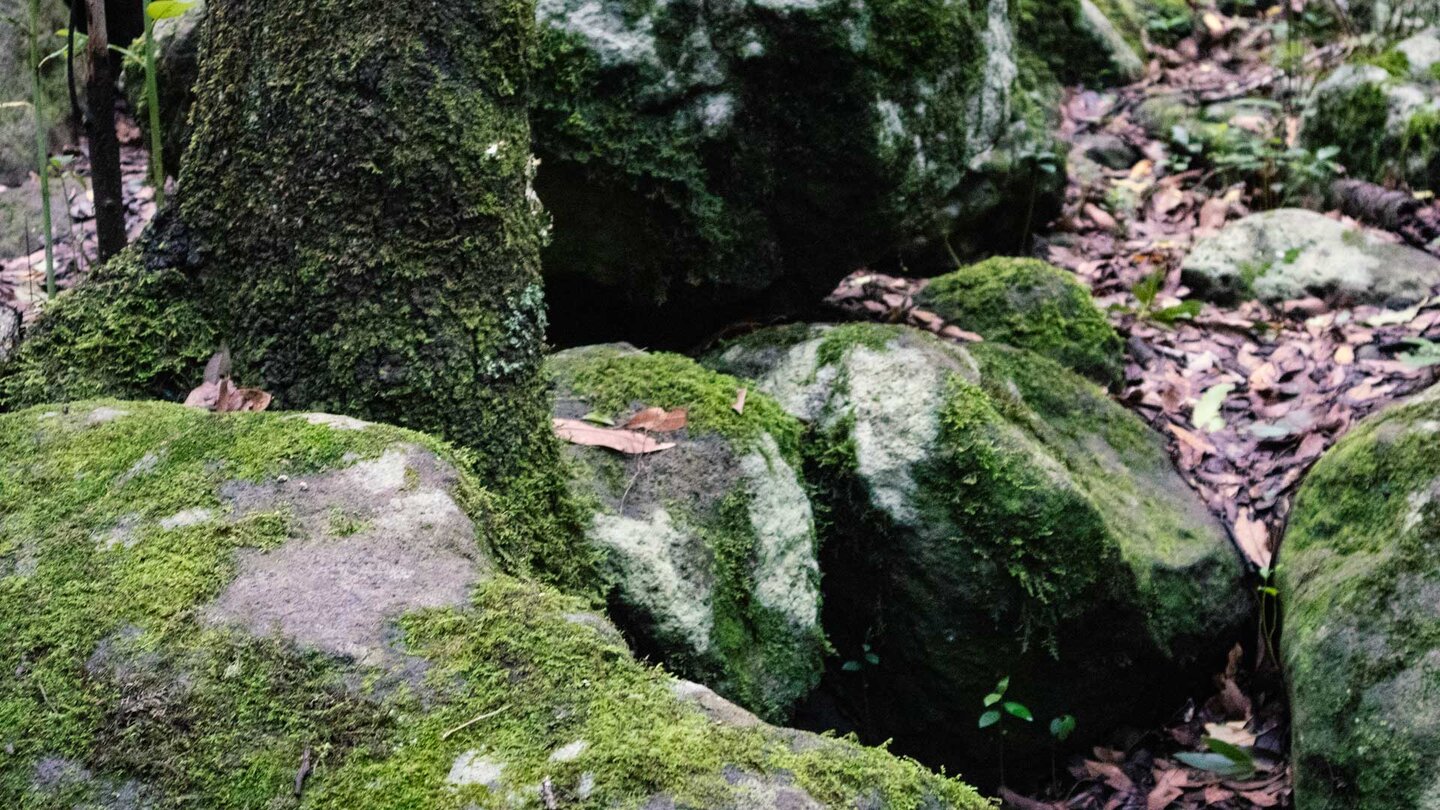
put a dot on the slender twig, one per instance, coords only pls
(472, 721)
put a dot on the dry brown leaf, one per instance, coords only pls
(1213, 214)
(739, 406)
(631, 442)
(1100, 217)
(1169, 785)
(1194, 440)
(658, 420)
(204, 395)
(242, 399)
(1344, 355)
(1233, 732)
(1253, 538)
(1110, 773)
(1260, 798)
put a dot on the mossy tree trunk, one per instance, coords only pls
(354, 219)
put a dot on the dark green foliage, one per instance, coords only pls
(1354, 119)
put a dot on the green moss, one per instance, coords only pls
(110, 666)
(1357, 578)
(615, 381)
(1351, 119)
(1391, 60)
(131, 331)
(1032, 305)
(1175, 550)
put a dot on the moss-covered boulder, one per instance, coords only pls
(708, 548)
(989, 513)
(1359, 577)
(1032, 305)
(1384, 119)
(301, 610)
(1290, 253)
(704, 159)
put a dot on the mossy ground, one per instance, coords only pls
(1358, 578)
(1031, 305)
(110, 668)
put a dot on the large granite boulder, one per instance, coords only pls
(287, 610)
(1032, 305)
(701, 159)
(1292, 253)
(1360, 582)
(989, 513)
(708, 548)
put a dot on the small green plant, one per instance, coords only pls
(1147, 295)
(997, 708)
(1426, 353)
(42, 143)
(155, 11)
(1060, 730)
(868, 658)
(1269, 598)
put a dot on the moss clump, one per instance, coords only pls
(1032, 305)
(1350, 118)
(133, 331)
(736, 519)
(116, 683)
(1358, 579)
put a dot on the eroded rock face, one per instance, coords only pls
(1360, 581)
(709, 547)
(992, 514)
(699, 158)
(210, 597)
(1291, 253)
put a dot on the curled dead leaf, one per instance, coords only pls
(658, 420)
(739, 405)
(630, 442)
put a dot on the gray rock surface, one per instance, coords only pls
(1292, 253)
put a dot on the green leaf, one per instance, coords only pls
(165, 9)
(1215, 763)
(1182, 310)
(1147, 288)
(992, 698)
(872, 659)
(1206, 415)
(1019, 710)
(1002, 684)
(598, 419)
(989, 718)
(1232, 752)
(1062, 726)
(850, 666)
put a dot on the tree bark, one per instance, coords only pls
(100, 131)
(354, 218)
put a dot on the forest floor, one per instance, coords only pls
(1288, 380)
